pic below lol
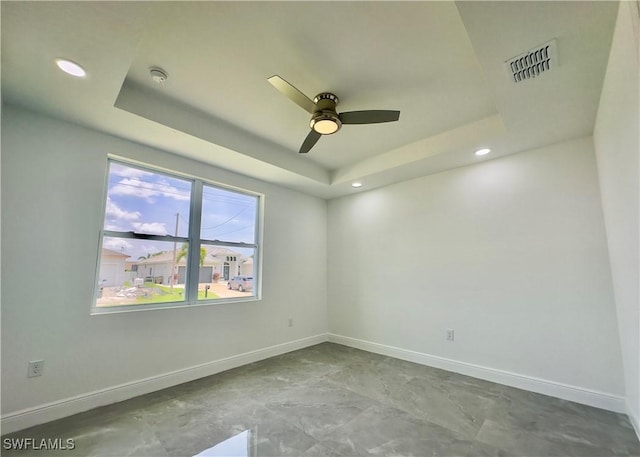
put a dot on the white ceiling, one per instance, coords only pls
(440, 63)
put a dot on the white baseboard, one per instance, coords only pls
(634, 421)
(554, 389)
(29, 417)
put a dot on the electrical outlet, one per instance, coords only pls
(450, 334)
(291, 322)
(35, 368)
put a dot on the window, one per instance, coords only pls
(170, 240)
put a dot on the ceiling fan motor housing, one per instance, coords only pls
(325, 120)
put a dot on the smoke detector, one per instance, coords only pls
(158, 75)
(533, 63)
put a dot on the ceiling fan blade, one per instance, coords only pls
(309, 142)
(369, 117)
(294, 94)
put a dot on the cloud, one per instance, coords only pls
(154, 228)
(113, 211)
(127, 172)
(115, 227)
(148, 190)
(116, 244)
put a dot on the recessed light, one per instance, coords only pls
(482, 152)
(355, 185)
(71, 68)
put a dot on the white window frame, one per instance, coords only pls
(193, 239)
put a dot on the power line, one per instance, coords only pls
(228, 220)
(237, 230)
(184, 193)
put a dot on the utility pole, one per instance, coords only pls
(173, 264)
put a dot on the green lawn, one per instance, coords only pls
(163, 294)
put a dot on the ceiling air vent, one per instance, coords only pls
(533, 63)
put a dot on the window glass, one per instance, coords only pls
(228, 215)
(221, 271)
(147, 251)
(136, 272)
(146, 202)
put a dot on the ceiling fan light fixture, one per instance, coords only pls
(325, 123)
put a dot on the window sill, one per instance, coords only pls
(98, 311)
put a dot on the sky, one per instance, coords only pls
(146, 201)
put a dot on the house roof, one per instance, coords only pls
(220, 251)
(112, 253)
(214, 255)
(442, 64)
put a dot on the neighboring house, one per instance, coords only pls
(246, 269)
(225, 262)
(112, 267)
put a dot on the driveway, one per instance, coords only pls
(221, 290)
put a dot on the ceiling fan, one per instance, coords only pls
(324, 118)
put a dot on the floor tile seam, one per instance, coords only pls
(328, 377)
(287, 420)
(168, 450)
(330, 371)
(550, 442)
(409, 412)
(498, 448)
(455, 434)
(322, 443)
(345, 425)
(154, 428)
(465, 413)
(362, 394)
(162, 442)
(149, 429)
(261, 400)
(298, 386)
(325, 444)
(568, 428)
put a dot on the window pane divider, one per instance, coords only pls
(145, 236)
(228, 243)
(193, 270)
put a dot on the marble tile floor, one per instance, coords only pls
(331, 400)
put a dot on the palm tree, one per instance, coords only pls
(183, 253)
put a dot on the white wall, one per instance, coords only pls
(617, 144)
(510, 253)
(53, 175)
